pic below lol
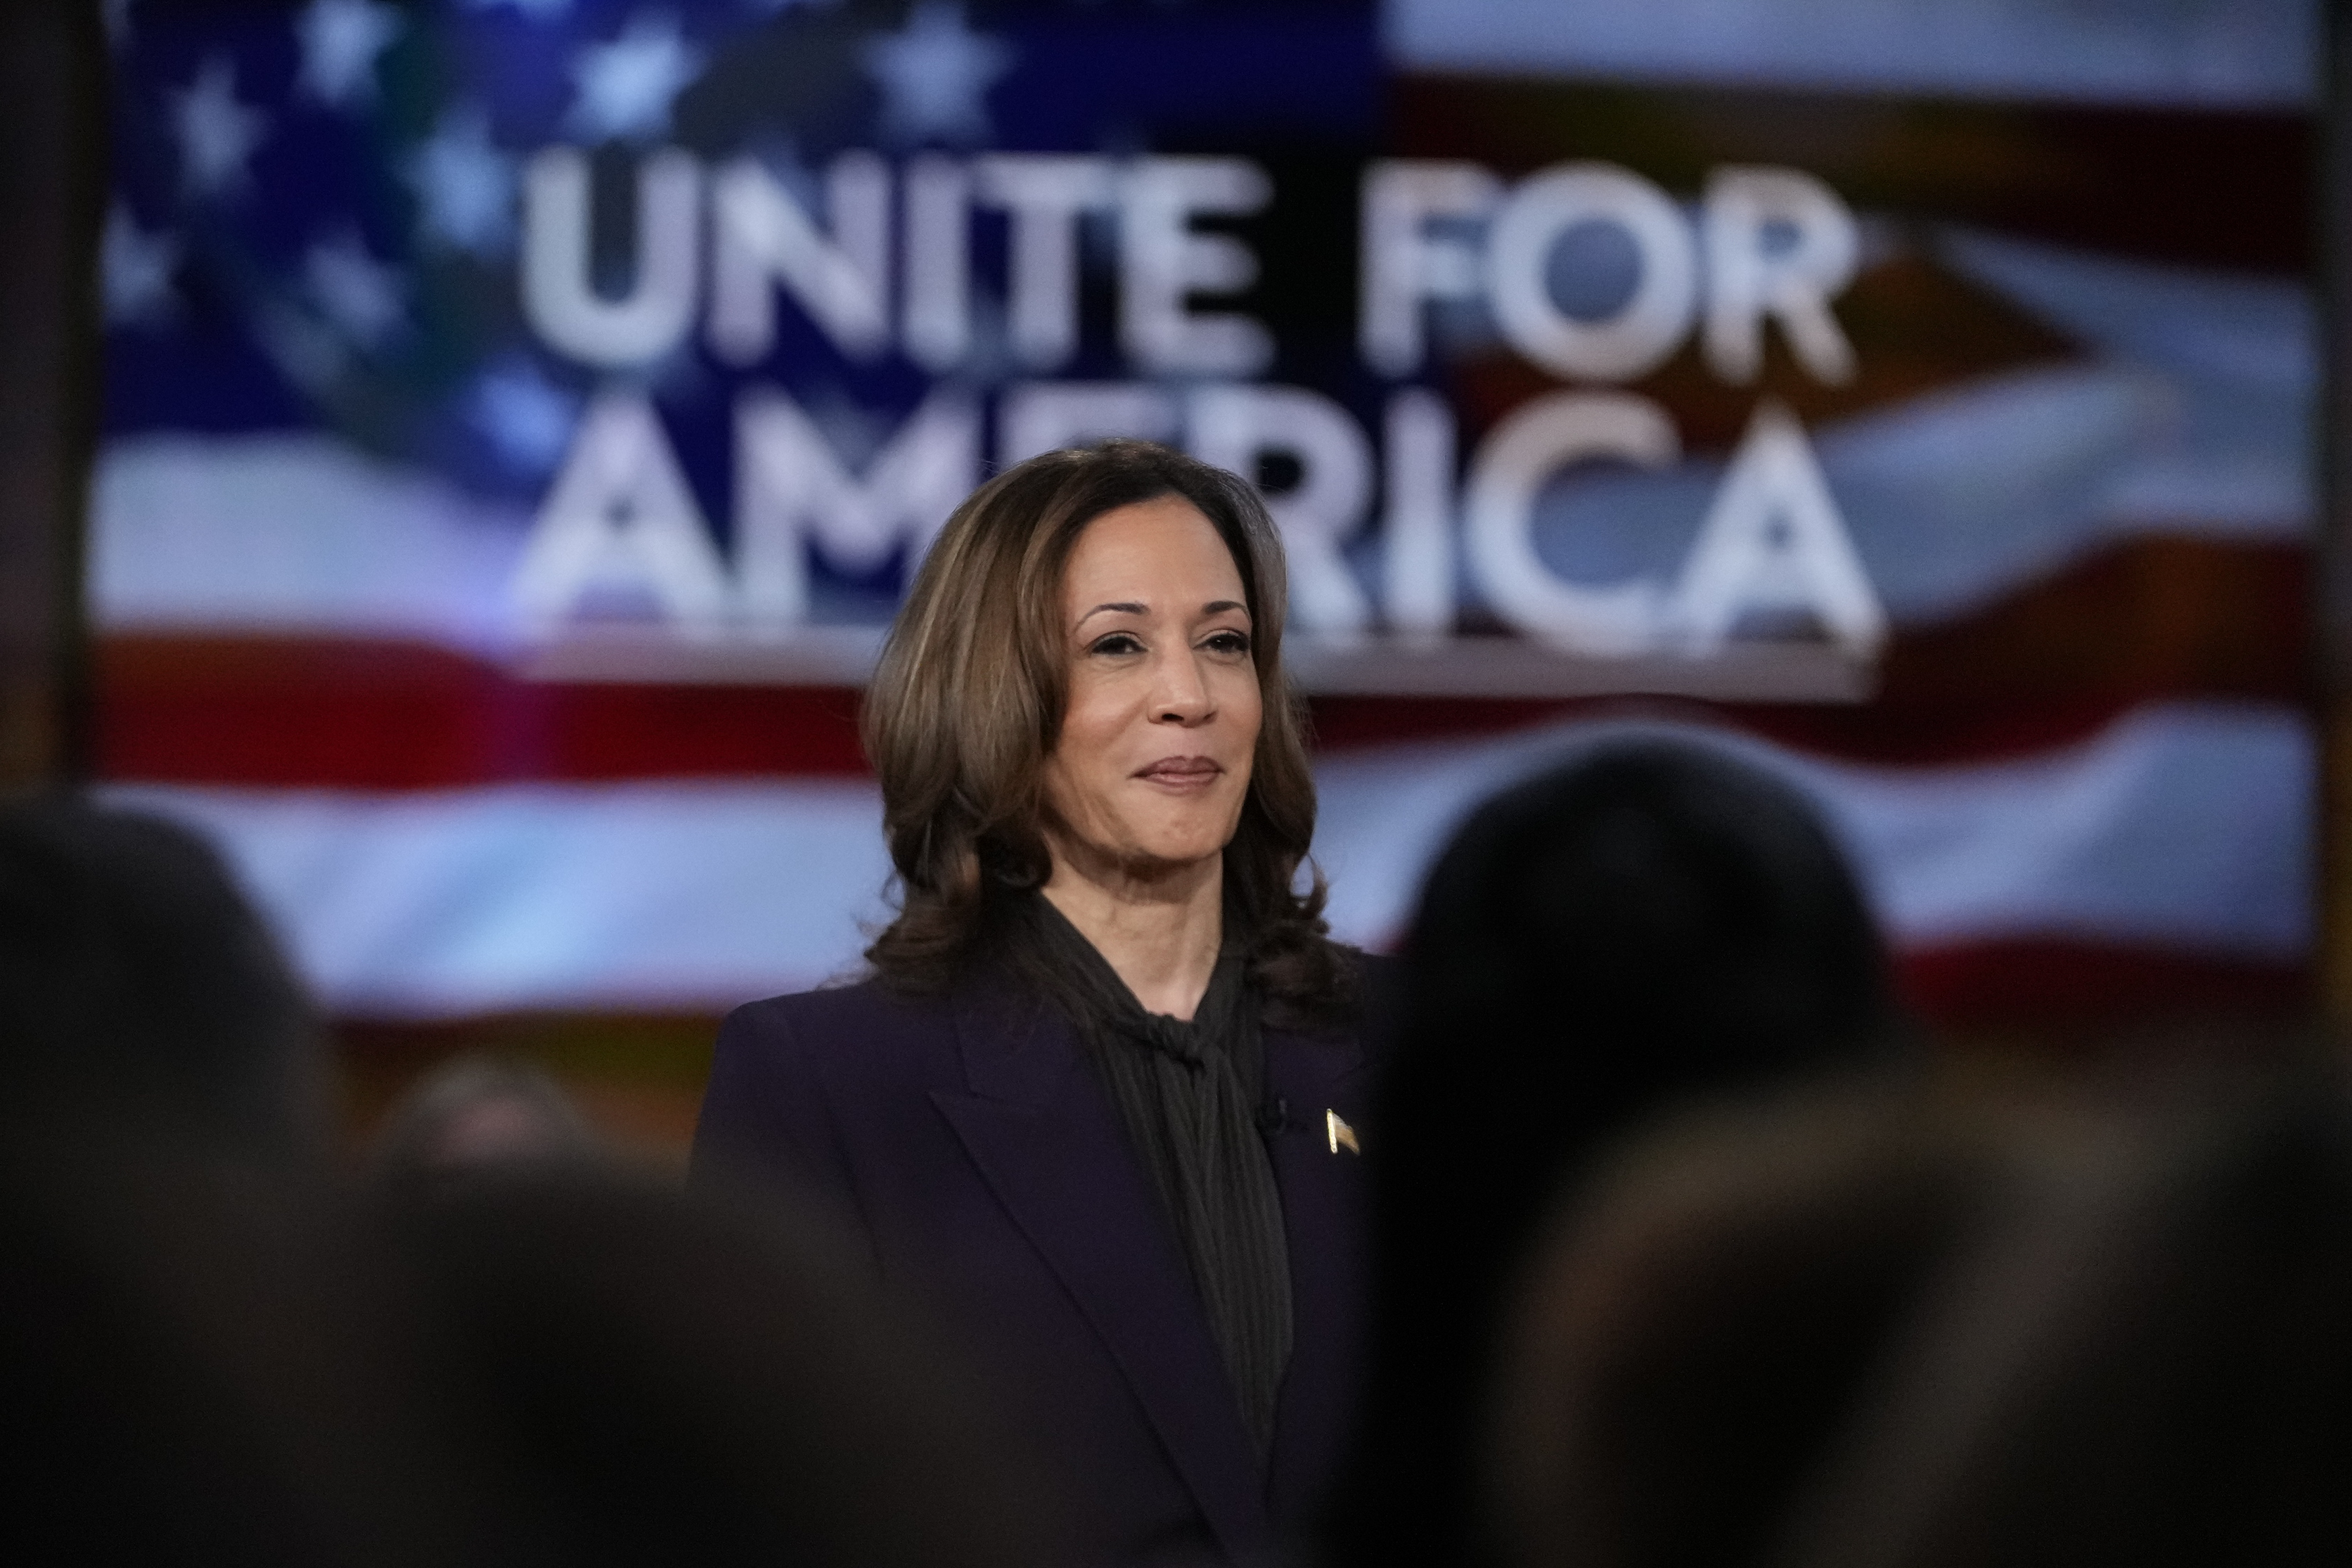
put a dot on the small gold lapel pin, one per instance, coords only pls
(1342, 1136)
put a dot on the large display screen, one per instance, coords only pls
(522, 416)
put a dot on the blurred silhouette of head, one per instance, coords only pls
(666, 1379)
(2087, 1330)
(478, 1114)
(204, 1367)
(1701, 1315)
(1649, 922)
(135, 980)
(1651, 895)
(202, 1353)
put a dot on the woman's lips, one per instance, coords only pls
(1182, 773)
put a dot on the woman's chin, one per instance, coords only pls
(1161, 860)
(1185, 844)
(1150, 846)
(1162, 856)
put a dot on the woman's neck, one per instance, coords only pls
(1159, 929)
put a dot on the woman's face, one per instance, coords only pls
(1154, 762)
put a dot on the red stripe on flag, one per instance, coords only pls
(2043, 981)
(377, 716)
(385, 715)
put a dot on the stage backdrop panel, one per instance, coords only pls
(522, 416)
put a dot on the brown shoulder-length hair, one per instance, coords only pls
(967, 705)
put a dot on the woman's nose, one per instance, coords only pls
(1182, 696)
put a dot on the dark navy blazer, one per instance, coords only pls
(986, 1168)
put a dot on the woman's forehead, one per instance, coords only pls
(1149, 551)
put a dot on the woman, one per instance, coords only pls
(1096, 1097)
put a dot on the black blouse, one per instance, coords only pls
(1189, 1093)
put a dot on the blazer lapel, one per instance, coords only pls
(1048, 1143)
(1324, 1208)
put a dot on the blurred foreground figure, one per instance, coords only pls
(197, 1353)
(212, 1353)
(1871, 1332)
(650, 1378)
(1650, 922)
(135, 980)
(205, 1366)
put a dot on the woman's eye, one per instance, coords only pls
(1117, 643)
(1229, 642)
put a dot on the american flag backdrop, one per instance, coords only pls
(520, 416)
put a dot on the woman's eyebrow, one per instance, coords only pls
(1126, 607)
(1219, 606)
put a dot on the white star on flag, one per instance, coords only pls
(935, 75)
(465, 185)
(362, 296)
(216, 132)
(340, 41)
(627, 87)
(527, 417)
(135, 269)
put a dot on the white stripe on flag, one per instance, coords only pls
(2183, 826)
(687, 895)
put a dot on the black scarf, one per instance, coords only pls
(1188, 1094)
